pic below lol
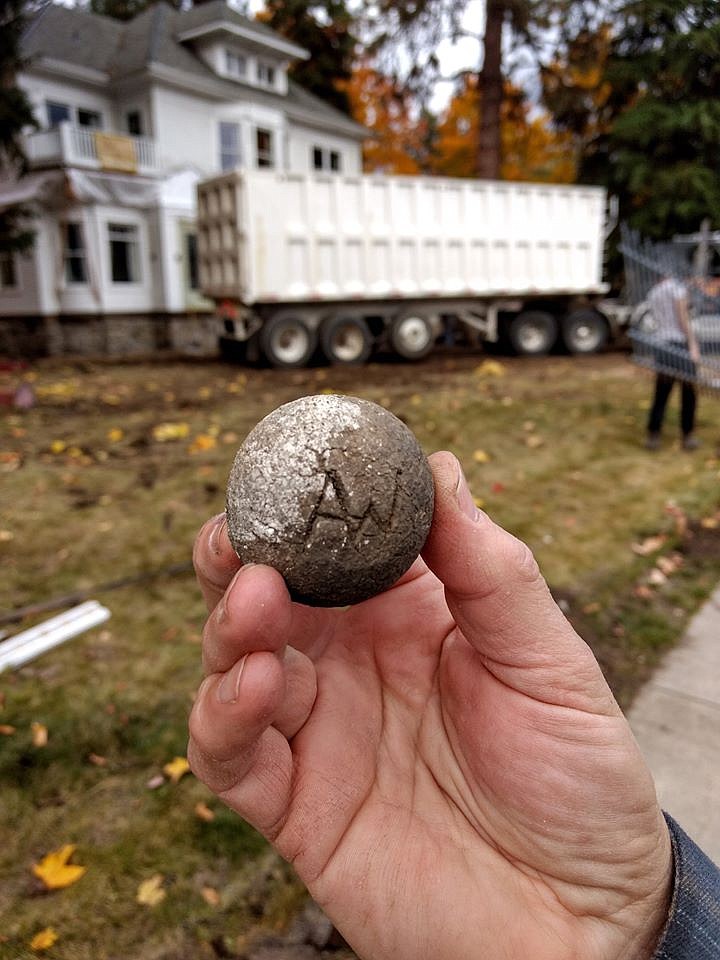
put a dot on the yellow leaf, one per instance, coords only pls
(162, 432)
(490, 368)
(176, 769)
(480, 456)
(39, 734)
(203, 441)
(479, 502)
(150, 892)
(709, 523)
(210, 896)
(203, 811)
(44, 940)
(57, 446)
(416, 399)
(54, 870)
(115, 434)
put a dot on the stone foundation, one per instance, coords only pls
(115, 335)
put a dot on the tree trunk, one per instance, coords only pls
(491, 94)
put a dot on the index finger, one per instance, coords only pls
(215, 561)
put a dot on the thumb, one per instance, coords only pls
(501, 603)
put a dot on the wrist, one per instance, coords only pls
(651, 914)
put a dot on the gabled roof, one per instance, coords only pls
(149, 43)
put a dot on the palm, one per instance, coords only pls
(444, 764)
(416, 748)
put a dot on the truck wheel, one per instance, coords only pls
(533, 333)
(287, 342)
(346, 340)
(412, 336)
(584, 331)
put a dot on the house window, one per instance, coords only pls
(265, 74)
(326, 159)
(74, 246)
(89, 118)
(191, 252)
(8, 274)
(134, 123)
(57, 113)
(124, 252)
(235, 64)
(230, 156)
(264, 148)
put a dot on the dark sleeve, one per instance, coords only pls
(692, 931)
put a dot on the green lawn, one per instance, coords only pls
(91, 492)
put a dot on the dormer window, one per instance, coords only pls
(235, 64)
(265, 74)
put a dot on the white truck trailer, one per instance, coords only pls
(351, 264)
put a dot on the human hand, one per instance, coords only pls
(443, 764)
(695, 352)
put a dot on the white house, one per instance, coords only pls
(130, 116)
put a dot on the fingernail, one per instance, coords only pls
(215, 534)
(463, 496)
(229, 688)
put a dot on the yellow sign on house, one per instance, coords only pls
(116, 152)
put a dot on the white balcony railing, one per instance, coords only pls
(77, 146)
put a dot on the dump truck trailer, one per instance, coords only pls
(352, 264)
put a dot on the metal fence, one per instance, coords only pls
(662, 280)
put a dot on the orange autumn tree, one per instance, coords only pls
(399, 141)
(531, 148)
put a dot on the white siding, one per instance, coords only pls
(185, 130)
(40, 90)
(302, 141)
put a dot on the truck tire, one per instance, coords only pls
(533, 333)
(287, 342)
(346, 341)
(584, 331)
(412, 336)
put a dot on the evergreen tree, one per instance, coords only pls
(15, 116)
(118, 9)
(326, 31)
(661, 154)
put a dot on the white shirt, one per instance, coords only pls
(662, 300)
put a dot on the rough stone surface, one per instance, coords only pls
(335, 493)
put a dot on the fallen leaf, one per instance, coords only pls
(479, 502)
(680, 517)
(416, 399)
(204, 392)
(6, 536)
(497, 487)
(229, 437)
(6, 729)
(529, 426)
(591, 607)
(150, 892)
(670, 564)
(533, 441)
(44, 939)
(58, 446)
(39, 734)
(10, 460)
(643, 591)
(649, 545)
(490, 368)
(115, 434)
(210, 896)
(481, 456)
(54, 870)
(202, 442)
(710, 523)
(155, 782)
(203, 811)
(162, 432)
(176, 769)
(656, 577)
(96, 760)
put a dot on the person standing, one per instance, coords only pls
(676, 355)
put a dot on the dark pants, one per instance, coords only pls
(663, 388)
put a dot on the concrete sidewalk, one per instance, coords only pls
(676, 720)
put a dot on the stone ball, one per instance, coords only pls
(335, 493)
